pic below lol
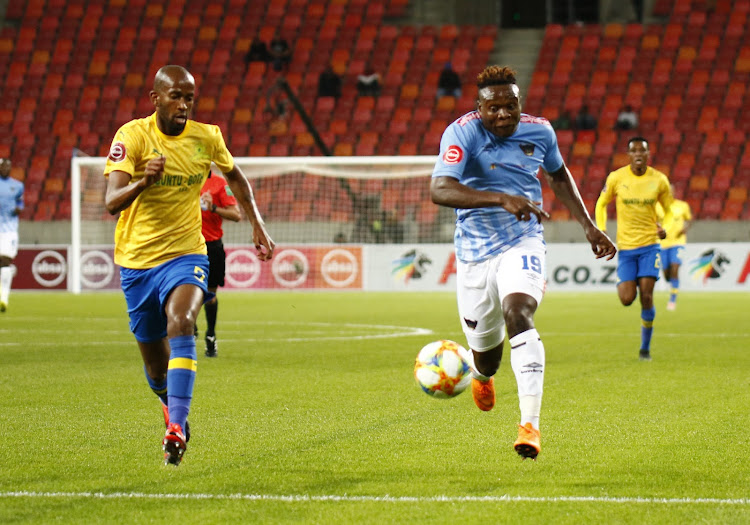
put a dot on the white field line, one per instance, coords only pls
(343, 336)
(393, 331)
(316, 331)
(292, 498)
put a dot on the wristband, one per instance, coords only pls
(213, 208)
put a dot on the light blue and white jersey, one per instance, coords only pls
(11, 197)
(484, 161)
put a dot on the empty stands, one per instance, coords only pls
(75, 70)
(686, 78)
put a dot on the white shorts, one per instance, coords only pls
(9, 244)
(482, 286)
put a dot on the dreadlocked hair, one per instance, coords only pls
(496, 76)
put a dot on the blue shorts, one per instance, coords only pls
(147, 291)
(640, 262)
(673, 255)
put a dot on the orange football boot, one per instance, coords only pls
(528, 444)
(483, 393)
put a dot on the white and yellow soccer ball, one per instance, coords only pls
(440, 369)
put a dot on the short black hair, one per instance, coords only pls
(637, 139)
(496, 76)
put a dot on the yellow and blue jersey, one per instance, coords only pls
(636, 198)
(675, 223)
(164, 221)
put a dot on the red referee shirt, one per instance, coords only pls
(217, 186)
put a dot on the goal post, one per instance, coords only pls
(303, 200)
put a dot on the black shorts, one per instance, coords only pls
(216, 263)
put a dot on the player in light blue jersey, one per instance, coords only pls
(488, 171)
(11, 204)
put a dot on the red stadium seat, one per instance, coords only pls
(712, 208)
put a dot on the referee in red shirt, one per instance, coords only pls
(217, 204)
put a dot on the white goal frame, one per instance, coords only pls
(374, 167)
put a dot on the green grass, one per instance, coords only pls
(311, 415)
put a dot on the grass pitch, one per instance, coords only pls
(310, 414)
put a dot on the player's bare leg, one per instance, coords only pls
(627, 291)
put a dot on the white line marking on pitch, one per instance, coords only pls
(344, 331)
(390, 499)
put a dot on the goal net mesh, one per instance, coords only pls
(305, 200)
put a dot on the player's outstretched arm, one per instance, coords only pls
(243, 192)
(447, 191)
(121, 194)
(562, 183)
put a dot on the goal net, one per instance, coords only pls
(303, 200)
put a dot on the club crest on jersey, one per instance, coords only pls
(117, 152)
(453, 155)
(200, 152)
(528, 149)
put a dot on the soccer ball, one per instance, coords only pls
(441, 371)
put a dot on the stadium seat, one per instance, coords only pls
(343, 149)
(712, 208)
(732, 211)
(698, 182)
(278, 150)
(582, 149)
(58, 53)
(737, 193)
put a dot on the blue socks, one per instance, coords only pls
(675, 283)
(159, 388)
(181, 377)
(647, 327)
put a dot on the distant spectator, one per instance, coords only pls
(585, 120)
(339, 238)
(449, 83)
(369, 83)
(258, 51)
(638, 10)
(393, 230)
(577, 12)
(329, 83)
(627, 119)
(564, 121)
(280, 52)
(278, 113)
(368, 223)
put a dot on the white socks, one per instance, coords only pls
(6, 277)
(527, 362)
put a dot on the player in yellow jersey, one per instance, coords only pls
(673, 245)
(156, 168)
(636, 188)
